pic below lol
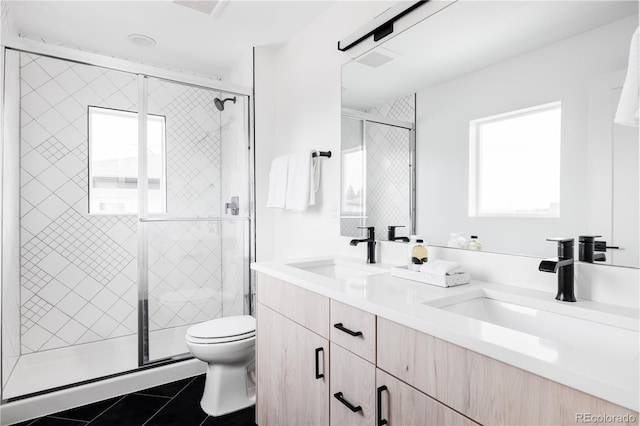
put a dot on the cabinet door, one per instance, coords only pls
(292, 372)
(353, 382)
(399, 404)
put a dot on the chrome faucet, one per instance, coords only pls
(391, 234)
(371, 243)
(563, 267)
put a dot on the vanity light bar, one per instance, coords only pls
(381, 26)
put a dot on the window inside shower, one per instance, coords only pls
(115, 236)
(113, 161)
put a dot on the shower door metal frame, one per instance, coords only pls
(144, 218)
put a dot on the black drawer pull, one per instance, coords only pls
(339, 397)
(318, 374)
(341, 327)
(380, 420)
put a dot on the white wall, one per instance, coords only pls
(305, 108)
(444, 112)
(265, 128)
(241, 73)
(7, 22)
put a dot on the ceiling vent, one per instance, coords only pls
(377, 58)
(210, 7)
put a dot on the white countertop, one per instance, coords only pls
(600, 372)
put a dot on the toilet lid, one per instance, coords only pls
(238, 326)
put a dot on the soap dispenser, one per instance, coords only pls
(419, 255)
(474, 244)
(413, 240)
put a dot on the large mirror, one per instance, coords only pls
(515, 139)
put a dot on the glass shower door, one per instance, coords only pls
(194, 221)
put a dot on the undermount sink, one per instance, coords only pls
(560, 322)
(338, 268)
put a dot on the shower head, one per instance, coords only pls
(220, 103)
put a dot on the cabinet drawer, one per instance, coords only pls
(354, 329)
(305, 307)
(352, 386)
(400, 404)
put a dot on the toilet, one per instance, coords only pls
(227, 345)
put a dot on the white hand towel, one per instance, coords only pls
(627, 112)
(300, 181)
(441, 267)
(278, 182)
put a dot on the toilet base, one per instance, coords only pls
(228, 388)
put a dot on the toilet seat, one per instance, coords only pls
(222, 330)
(218, 340)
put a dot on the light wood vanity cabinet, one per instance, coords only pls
(388, 374)
(482, 388)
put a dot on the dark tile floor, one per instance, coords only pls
(176, 403)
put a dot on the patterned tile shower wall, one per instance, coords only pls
(185, 274)
(388, 172)
(403, 109)
(193, 147)
(78, 271)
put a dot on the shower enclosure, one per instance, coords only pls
(126, 218)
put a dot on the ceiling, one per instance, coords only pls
(468, 36)
(187, 39)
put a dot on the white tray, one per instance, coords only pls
(427, 278)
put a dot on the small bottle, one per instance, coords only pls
(474, 244)
(413, 240)
(419, 255)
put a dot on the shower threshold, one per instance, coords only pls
(55, 368)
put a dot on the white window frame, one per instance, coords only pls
(475, 163)
(128, 179)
